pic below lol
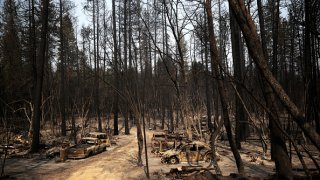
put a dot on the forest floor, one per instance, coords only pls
(120, 162)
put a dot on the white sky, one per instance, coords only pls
(82, 18)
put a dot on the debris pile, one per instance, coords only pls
(16, 145)
(190, 172)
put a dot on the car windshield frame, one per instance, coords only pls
(180, 146)
(89, 141)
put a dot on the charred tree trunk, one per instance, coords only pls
(310, 71)
(242, 125)
(140, 141)
(126, 83)
(62, 65)
(275, 32)
(255, 49)
(278, 147)
(33, 54)
(215, 62)
(40, 72)
(97, 73)
(116, 71)
(204, 41)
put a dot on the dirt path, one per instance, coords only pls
(118, 162)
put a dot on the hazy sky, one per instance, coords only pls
(82, 18)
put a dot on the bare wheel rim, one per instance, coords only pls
(162, 160)
(173, 160)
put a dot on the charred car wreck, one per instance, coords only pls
(188, 152)
(88, 146)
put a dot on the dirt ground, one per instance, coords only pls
(120, 162)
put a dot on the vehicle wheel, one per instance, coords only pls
(173, 160)
(163, 160)
(208, 158)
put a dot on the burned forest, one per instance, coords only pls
(160, 89)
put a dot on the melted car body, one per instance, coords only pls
(102, 136)
(87, 146)
(187, 152)
(161, 142)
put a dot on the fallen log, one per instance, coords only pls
(189, 169)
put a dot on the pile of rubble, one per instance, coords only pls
(17, 145)
(190, 172)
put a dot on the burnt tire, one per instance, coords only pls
(173, 160)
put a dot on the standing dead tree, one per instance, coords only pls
(215, 59)
(254, 44)
(7, 137)
(273, 91)
(40, 73)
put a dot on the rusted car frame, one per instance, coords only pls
(188, 152)
(87, 146)
(161, 141)
(102, 136)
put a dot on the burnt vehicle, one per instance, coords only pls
(188, 152)
(161, 142)
(178, 136)
(102, 136)
(87, 146)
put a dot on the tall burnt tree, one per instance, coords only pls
(275, 32)
(62, 75)
(311, 78)
(278, 148)
(255, 48)
(41, 60)
(257, 53)
(11, 53)
(215, 61)
(96, 32)
(116, 70)
(32, 46)
(242, 125)
(125, 46)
